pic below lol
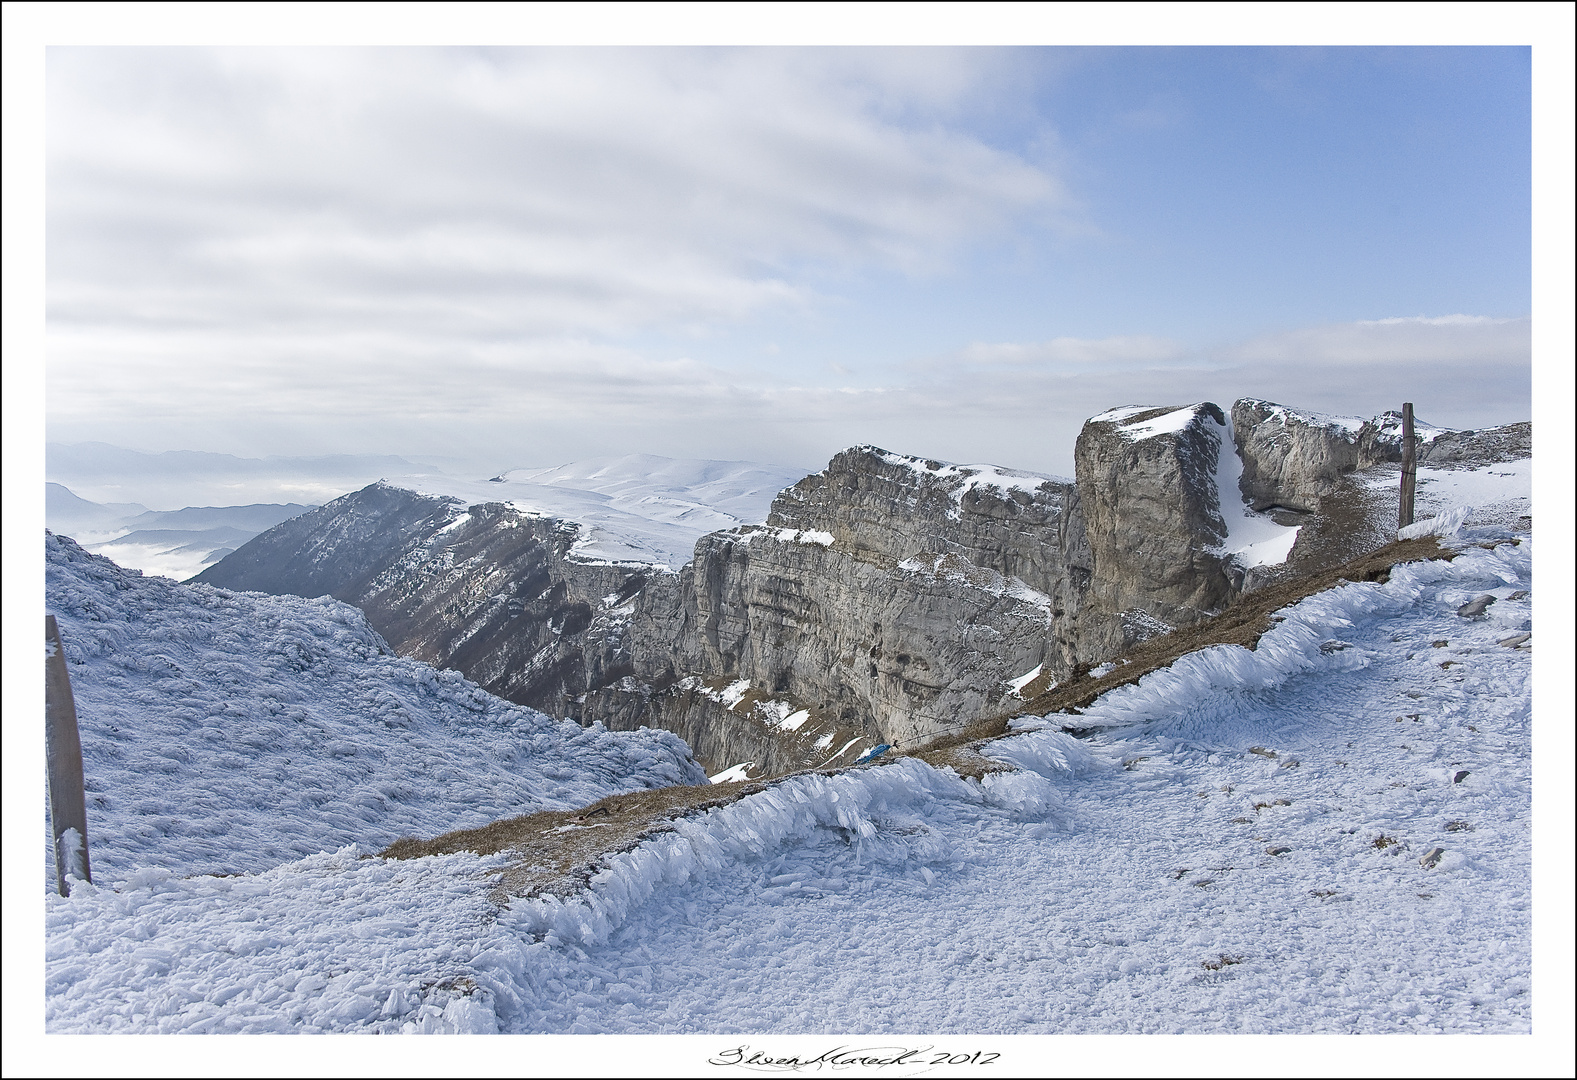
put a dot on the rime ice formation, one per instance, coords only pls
(226, 733)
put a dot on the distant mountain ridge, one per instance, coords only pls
(110, 474)
(171, 543)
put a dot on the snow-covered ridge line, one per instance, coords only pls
(1167, 423)
(1350, 425)
(633, 510)
(966, 477)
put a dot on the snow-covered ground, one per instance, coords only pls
(637, 508)
(1495, 494)
(229, 733)
(1247, 844)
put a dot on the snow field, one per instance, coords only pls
(1237, 849)
(637, 509)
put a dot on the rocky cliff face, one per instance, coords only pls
(900, 596)
(1293, 459)
(1152, 509)
(885, 599)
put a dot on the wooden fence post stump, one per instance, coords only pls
(1404, 516)
(68, 814)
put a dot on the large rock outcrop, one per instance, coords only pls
(1293, 459)
(1147, 478)
(900, 595)
(1298, 460)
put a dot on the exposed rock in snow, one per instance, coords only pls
(489, 589)
(1292, 458)
(928, 588)
(1147, 481)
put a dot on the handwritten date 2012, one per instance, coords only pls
(844, 1057)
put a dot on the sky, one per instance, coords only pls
(524, 256)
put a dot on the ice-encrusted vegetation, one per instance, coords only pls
(1328, 833)
(229, 732)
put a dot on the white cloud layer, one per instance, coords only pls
(1016, 404)
(484, 195)
(459, 252)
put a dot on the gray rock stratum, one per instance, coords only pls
(898, 595)
(1148, 478)
(885, 599)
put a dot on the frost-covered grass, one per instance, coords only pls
(1209, 863)
(227, 733)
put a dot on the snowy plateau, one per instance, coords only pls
(1329, 833)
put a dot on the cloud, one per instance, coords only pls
(546, 401)
(254, 244)
(1062, 351)
(1438, 320)
(1493, 343)
(1024, 403)
(475, 193)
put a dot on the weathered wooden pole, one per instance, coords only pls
(68, 813)
(1404, 516)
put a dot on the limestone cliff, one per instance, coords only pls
(1147, 477)
(885, 599)
(900, 595)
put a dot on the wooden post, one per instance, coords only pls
(68, 814)
(1404, 516)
